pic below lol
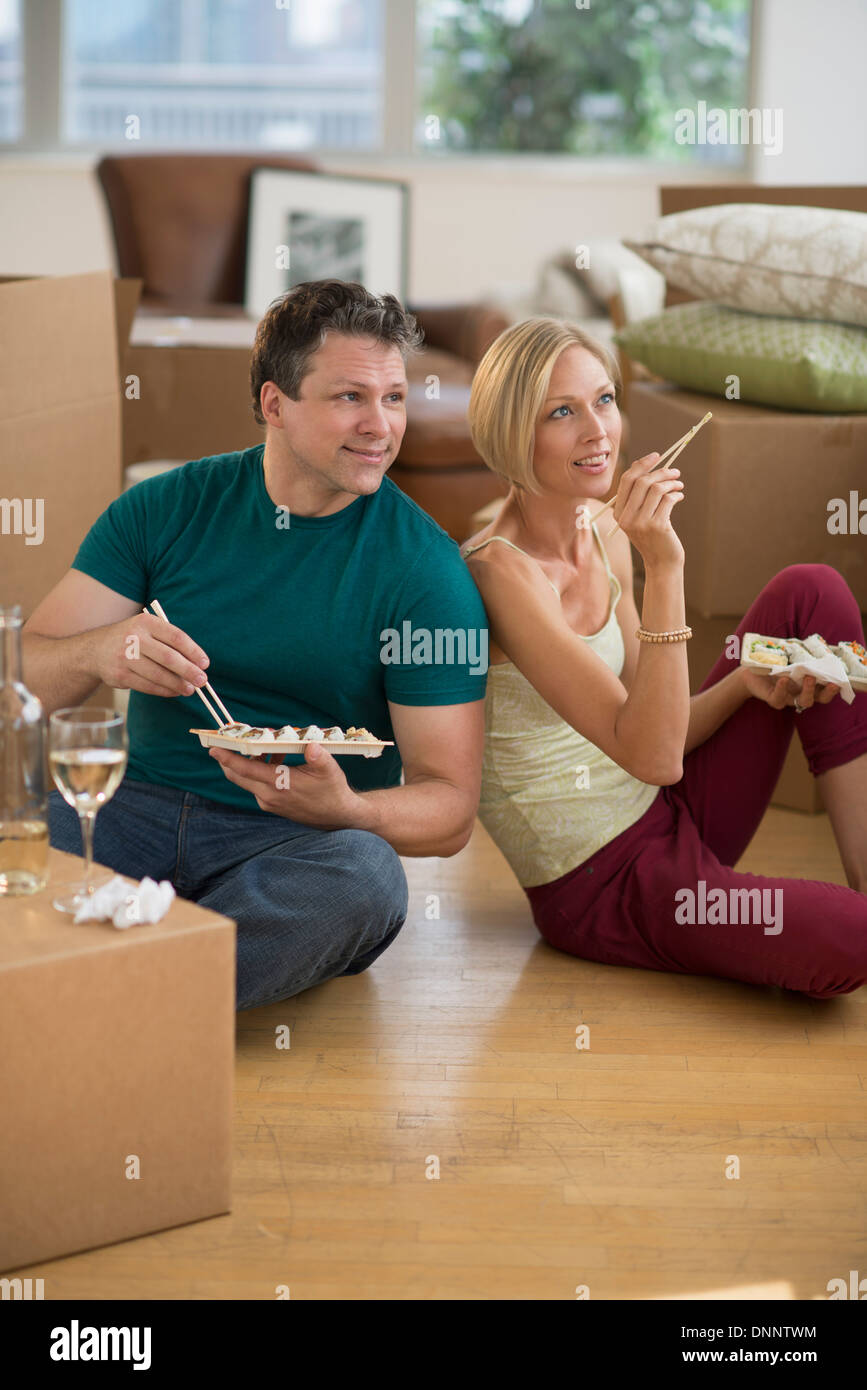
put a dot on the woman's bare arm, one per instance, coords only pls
(708, 709)
(619, 553)
(636, 728)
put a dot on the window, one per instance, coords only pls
(604, 79)
(10, 70)
(587, 78)
(301, 75)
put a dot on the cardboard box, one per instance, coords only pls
(194, 384)
(797, 789)
(60, 447)
(114, 1044)
(758, 487)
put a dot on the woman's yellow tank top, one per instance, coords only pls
(550, 798)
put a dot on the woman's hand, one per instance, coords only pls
(643, 510)
(780, 691)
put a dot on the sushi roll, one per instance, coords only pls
(234, 730)
(258, 735)
(854, 658)
(288, 734)
(769, 651)
(796, 649)
(335, 734)
(817, 646)
(354, 735)
(312, 734)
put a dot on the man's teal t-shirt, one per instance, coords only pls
(294, 613)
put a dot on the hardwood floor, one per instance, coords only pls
(558, 1167)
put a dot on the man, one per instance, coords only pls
(282, 568)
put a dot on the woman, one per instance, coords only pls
(620, 802)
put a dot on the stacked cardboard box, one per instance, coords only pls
(60, 424)
(115, 1089)
(60, 442)
(191, 388)
(116, 1084)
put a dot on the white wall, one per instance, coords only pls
(53, 220)
(811, 63)
(480, 225)
(473, 225)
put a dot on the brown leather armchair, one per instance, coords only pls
(180, 226)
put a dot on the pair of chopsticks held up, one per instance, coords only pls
(160, 612)
(670, 455)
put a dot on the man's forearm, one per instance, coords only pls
(58, 670)
(427, 817)
(712, 707)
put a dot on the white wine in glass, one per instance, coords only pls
(87, 753)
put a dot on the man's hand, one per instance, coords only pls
(782, 691)
(148, 654)
(315, 793)
(432, 813)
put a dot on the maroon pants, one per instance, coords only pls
(627, 904)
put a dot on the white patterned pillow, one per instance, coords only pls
(795, 262)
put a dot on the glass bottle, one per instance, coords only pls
(24, 841)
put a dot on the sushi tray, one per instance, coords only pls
(254, 742)
(808, 656)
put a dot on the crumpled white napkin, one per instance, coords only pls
(825, 668)
(126, 904)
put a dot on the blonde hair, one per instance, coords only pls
(509, 390)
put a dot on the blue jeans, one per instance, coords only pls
(309, 904)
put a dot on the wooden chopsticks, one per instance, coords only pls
(160, 612)
(670, 455)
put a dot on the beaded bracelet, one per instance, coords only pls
(678, 634)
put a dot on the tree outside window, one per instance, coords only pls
(545, 76)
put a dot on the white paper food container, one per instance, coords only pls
(810, 656)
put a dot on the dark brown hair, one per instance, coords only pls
(296, 324)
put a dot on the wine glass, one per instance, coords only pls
(87, 753)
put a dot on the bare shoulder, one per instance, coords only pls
(497, 525)
(509, 579)
(477, 539)
(493, 558)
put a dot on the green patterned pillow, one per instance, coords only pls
(795, 364)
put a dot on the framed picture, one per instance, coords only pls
(305, 226)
